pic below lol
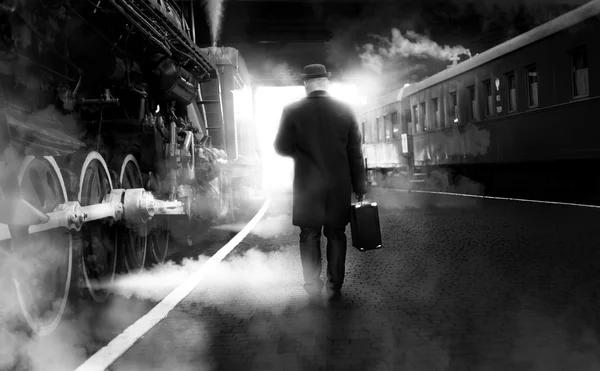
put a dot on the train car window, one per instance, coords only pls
(416, 126)
(387, 119)
(511, 88)
(579, 68)
(363, 126)
(395, 126)
(423, 116)
(405, 121)
(489, 103)
(368, 132)
(436, 112)
(473, 103)
(453, 114)
(380, 129)
(532, 86)
(374, 131)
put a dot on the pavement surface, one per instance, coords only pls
(461, 284)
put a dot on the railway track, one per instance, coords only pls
(474, 190)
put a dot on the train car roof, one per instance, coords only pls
(390, 97)
(226, 55)
(560, 23)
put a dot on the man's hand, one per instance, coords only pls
(359, 197)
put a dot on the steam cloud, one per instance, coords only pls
(214, 11)
(411, 44)
(248, 277)
(21, 350)
(273, 70)
(280, 71)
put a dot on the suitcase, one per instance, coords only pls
(364, 226)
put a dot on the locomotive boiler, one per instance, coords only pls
(112, 122)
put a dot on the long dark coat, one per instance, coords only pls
(321, 134)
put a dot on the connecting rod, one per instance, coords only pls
(131, 205)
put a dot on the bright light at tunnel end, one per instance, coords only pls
(269, 103)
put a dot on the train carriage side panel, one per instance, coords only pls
(383, 125)
(560, 127)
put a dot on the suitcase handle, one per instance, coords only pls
(361, 203)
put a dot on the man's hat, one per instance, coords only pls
(314, 71)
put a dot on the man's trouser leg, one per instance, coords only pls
(310, 255)
(336, 257)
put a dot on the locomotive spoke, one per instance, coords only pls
(133, 237)
(159, 238)
(43, 277)
(99, 252)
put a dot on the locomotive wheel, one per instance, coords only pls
(42, 283)
(158, 240)
(99, 239)
(133, 237)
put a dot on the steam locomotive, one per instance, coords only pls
(113, 121)
(518, 120)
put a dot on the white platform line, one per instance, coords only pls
(492, 197)
(106, 356)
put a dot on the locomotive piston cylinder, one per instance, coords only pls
(140, 205)
(132, 205)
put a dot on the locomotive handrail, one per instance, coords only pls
(185, 41)
(140, 27)
(98, 32)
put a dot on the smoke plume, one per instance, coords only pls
(423, 34)
(214, 11)
(411, 44)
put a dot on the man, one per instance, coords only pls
(321, 134)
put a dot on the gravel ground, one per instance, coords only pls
(461, 284)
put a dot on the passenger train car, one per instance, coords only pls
(518, 119)
(113, 121)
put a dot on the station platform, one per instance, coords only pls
(460, 284)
